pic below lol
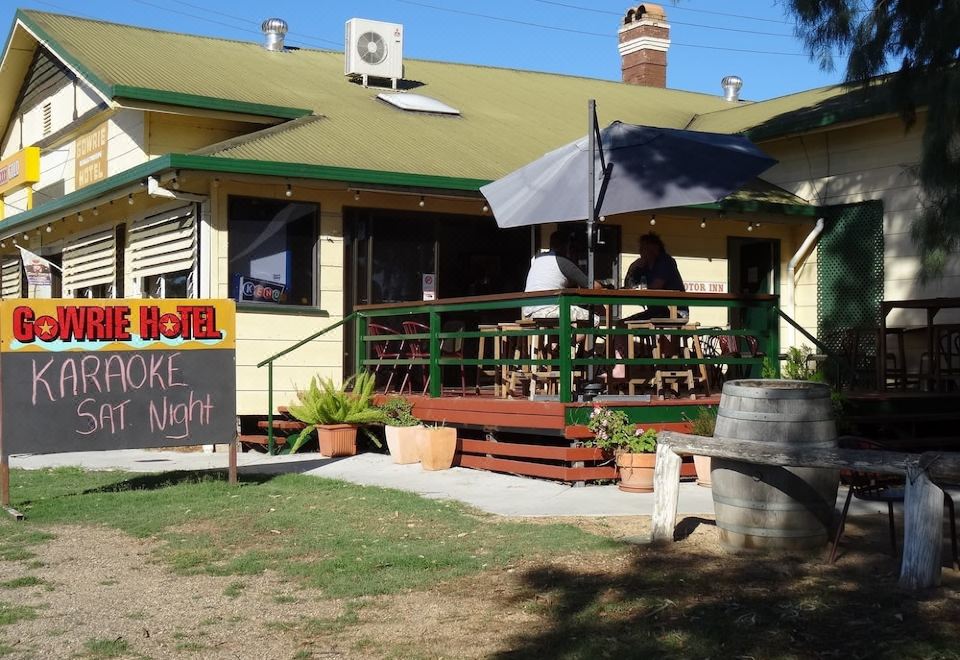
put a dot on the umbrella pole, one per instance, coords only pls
(591, 207)
(591, 185)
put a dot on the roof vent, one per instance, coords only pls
(274, 30)
(731, 88)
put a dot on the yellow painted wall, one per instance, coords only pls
(169, 133)
(125, 149)
(261, 334)
(871, 161)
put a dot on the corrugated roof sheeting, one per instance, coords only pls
(803, 111)
(508, 117)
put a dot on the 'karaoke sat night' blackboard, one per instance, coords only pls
(81, 375)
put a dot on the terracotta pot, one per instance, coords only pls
(402, 443)
(437, 447)
(337, 439)
(702, 463)
(636, 472)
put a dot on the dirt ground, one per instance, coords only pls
(99, 584)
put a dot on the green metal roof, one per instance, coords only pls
(339, 130)
(509, 117)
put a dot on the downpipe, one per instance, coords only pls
(805, 247)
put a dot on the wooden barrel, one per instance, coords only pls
(767, 507)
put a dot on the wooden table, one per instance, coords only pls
(932, 306)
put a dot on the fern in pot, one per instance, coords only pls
(337, 412)
(401, 428)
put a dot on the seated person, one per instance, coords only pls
(555, 270)
(659, 270)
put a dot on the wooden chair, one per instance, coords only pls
(517, 348)
(491, 371)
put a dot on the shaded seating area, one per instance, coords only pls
(882, 489)
(560, 358)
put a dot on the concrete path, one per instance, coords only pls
(494, 493)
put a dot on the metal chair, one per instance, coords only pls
(417, 349)
(385, 349)
(876, 487)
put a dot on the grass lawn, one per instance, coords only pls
(508, 589)
(342, 539)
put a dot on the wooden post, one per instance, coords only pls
(232, 462)
(666, 492)
(4, 479)
(923, 531)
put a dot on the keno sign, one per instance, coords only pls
(78, 375)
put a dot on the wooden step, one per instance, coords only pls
(261, 440)
(282, 425)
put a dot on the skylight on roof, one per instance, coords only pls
(418, 103)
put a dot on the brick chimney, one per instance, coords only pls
(644, 39)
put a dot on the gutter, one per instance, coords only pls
(791, 302)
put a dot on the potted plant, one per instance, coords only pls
(401, 429)
(438, 446)
(633, 447)
(336, 412)
(703, 424)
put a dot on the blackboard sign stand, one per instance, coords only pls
(5, 484)
(5, 476)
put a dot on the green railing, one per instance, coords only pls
(762, 312)
(268, 363)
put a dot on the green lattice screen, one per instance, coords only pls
(850, 282)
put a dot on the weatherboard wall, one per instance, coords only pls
(869, 161)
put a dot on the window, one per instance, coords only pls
(168, 285)
(11, 279)
(272, 253)
(90, 266)
(96, 291)
(163, 253)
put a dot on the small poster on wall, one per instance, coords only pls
(429, 286)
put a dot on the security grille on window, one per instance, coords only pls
(11, 279)
(163, 253)
(90, 265)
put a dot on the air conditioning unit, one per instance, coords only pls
(374, 49)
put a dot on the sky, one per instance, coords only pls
(753, 39)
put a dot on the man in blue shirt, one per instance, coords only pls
(658, 270)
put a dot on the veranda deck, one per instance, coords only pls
(544, 438)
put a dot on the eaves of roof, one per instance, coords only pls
(743, 201)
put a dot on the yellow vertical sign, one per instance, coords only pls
(91, 158)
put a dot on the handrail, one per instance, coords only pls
(345, 319)
(841, 361)
(271, 441)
